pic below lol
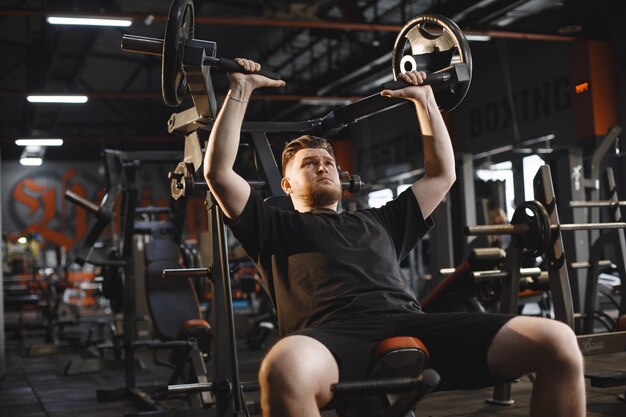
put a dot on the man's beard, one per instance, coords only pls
(321, 196)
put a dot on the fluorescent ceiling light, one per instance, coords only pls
(39, 142)
(32, 155)
(57, 99)
(31, 162)
(89, 21)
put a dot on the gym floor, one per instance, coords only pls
(34, 385)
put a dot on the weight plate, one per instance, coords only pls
(535, 241)
(176, 181)
(431, 43)
(179, 28)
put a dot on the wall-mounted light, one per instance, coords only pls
(57, 99)
(89, 21)
(581, 88)
(32, 155)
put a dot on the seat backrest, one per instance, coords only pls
(171, 302)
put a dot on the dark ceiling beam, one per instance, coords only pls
(503, 9)
(107, 138)
(350, 10)
(44, 59)
(79, 57)
(111, 105)
(343, 26)
(157, 95)
(7, 71)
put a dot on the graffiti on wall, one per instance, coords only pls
(33, 201)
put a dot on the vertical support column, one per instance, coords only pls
(517, 166)
(570, 182)
(2, 339)
(619, 236)
(129, 206)
(268, 163)
(555, 255)
(229, 401)
(467, 194)
(509, 301)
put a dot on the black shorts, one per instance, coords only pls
(457, 343)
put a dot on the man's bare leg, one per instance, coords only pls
(548, 348)
(296, 376)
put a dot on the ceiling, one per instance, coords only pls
(327, 51)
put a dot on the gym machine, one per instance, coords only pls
(119, 278)
(614, 238)
(186, 64)
(536, 232)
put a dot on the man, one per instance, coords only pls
(336, 283)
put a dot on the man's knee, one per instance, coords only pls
(299, 367)
(282, 367)
(529, 344)
(561, 346)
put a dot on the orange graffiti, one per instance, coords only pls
(42, 210)
(44, 202)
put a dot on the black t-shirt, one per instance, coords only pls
(324, 267)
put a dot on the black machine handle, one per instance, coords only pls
(451, 75)
(81, 202)
(231, 66)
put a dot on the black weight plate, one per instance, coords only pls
(535, 241)
(179, 28)
(436, 42)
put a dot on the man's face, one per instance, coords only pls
(312, 177)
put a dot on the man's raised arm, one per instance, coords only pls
(229, 189)
(439, 166)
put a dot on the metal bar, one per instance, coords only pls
(365, 107)
(142, 45)
(518, 229)
(589, 226)
(606, 203)
(186, 273)
(585, 264)
(265, 158)
(195, 387)
(496, 229)
(82, 202)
